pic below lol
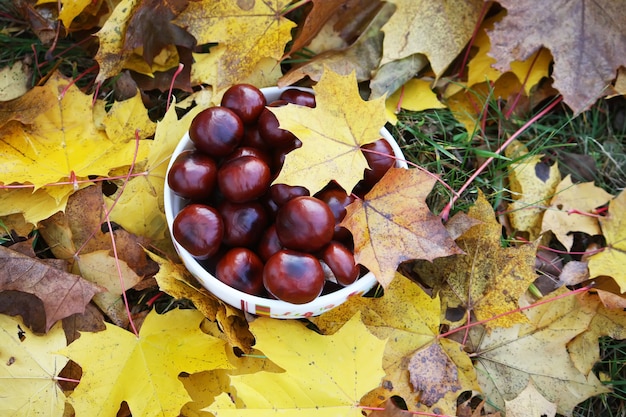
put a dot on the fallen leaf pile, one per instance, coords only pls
(98, 316)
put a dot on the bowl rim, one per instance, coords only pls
(251, 303)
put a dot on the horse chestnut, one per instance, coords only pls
(305, 223)
(293, 276)
(199, 229)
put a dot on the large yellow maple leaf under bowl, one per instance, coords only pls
(251, 303)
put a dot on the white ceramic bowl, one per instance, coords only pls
(250, 303)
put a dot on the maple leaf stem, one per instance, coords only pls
(60, 378)
(468, 49)
(519, 93)
(169, 94)
(294, 6)
(562, 252)
(517, 310)
(499, 151)
(75, 80)
(414, 165)
(119, 272)
(125, 178)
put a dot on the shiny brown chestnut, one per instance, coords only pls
(199, 229)
(305, 223)
(243, 179)
(216, 131)
(246, 100)
(193, 175)
(294, 277)
(241, 269)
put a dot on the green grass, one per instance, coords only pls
(611, 370)
(590, 147)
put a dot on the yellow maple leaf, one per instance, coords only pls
(35, 205)
(530, 402)
(584, 348)
(69, 9)
(439, 30)
(507, 358)
(468, 104)
(118, 366)
(62, 142)
(532, 185)
(140, 208)
(583, 197)
(175, 280)
(332, 134)
(28, 368)
(324, 375)
(409, 319)
(250, 31)
(488, 279)
(612, 259)
(415, 95)
(111, 55)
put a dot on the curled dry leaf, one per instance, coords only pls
(582, 198)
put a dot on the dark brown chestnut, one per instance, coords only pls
(305, 224)
(293, 276)
(193, 175)
(243, 179)
(199, 229)
(241, 269)
(216, 131)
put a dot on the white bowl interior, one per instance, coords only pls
(250, 303)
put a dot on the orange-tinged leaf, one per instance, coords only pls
(393, 224)
(324, 375)
(439, 30)
(145, 368)
(612, 259)
(61, 293)
(488, 279)
(507, 358)
(321, 12)
(582, 197)
(61, 142)
(28, 368)
(587, 41)
(250, 31)
(331, 133)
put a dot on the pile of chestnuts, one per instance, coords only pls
(269, 240)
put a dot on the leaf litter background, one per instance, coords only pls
(449, 320)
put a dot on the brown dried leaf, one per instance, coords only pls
(61, 293)
(586, 39)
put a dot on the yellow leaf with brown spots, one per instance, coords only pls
(489, 279)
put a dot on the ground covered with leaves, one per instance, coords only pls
(500, 253)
